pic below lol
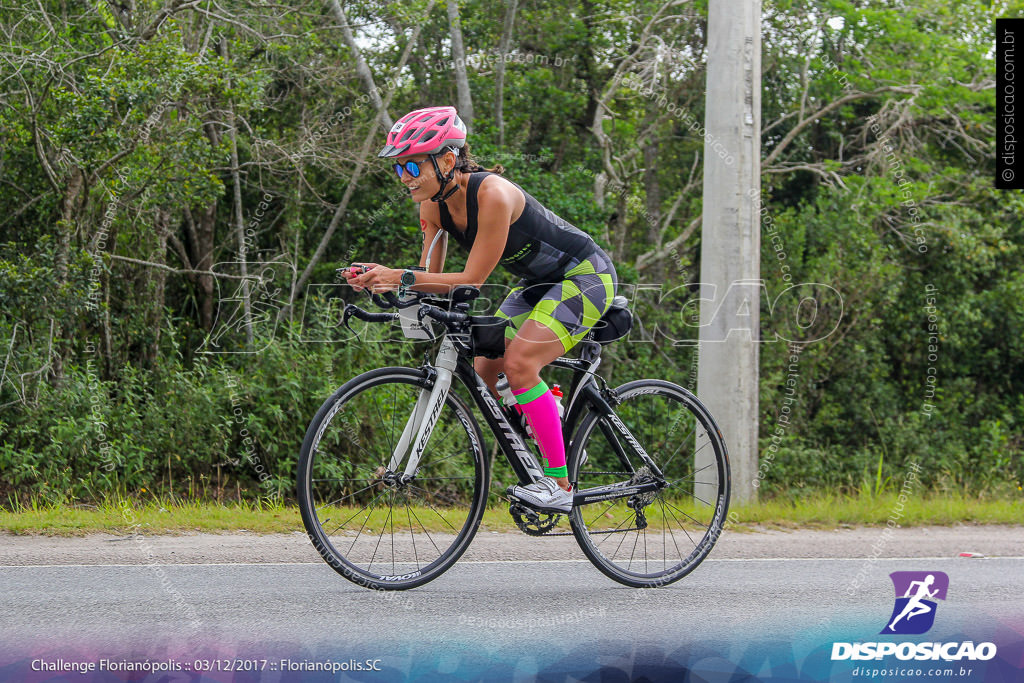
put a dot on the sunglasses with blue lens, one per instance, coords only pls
(411, 166)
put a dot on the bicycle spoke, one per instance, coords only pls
(427, 533)
(633, 554)
(686, 514)
(444, 438)
(412, 535)
(326, 505)
(433, 509)
(362, 526)
(383, 423)
(394, 416)
(380, 537)
(682, 442)
(437, 461)
(664, 517)
(680, 523)
(444, 497)
(694, 474)
(392, 521)
(367, 507)
(623, 537)
(600, 514)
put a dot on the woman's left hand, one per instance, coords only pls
(379, 279)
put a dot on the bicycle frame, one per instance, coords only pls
(584, 393)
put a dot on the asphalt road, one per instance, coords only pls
(495, 619)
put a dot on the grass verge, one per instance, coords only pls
(817, 511)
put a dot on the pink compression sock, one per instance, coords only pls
(542, 413)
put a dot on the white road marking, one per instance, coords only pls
(512, 562)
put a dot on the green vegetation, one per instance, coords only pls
(145, 150)
(822, 510)
(262, 516)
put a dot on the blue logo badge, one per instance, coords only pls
(916, 592)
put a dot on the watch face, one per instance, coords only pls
(408, 278)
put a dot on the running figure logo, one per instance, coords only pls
(914, 612)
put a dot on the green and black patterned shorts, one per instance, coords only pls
(569, 308)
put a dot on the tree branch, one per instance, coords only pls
(835, 104)
(649, 258)
(362, 69)
(179, 271)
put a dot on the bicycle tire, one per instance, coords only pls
(338, 472)
(688, 507)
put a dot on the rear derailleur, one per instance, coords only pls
(639, 501)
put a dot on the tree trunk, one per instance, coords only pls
(157, 282)
(653, 194)
(465, 100)
(362, 69)
(65, 229)
(499, 70)
(205, 231)
(368, 144)
(236, 182)
(619, 227)
(66, 225)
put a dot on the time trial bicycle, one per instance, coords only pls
(394, 475)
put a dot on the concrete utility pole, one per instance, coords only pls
(730, 268)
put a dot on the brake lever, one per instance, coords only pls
(348, 313)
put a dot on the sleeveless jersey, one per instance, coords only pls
(541, 246)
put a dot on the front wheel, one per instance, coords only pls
(657, 537)
(372, 526)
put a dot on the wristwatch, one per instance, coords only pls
(408, 280)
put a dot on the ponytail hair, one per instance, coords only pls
(467, 164)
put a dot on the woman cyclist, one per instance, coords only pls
(567, 282)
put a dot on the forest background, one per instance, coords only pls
(182, 179)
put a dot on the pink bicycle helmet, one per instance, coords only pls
(425, 131)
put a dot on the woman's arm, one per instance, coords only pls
(496, 207)
(430, 233)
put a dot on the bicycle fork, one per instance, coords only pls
(424, 415)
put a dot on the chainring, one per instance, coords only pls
(532, 522)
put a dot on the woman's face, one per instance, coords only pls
(426, 185)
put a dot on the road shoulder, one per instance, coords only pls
(749, 544)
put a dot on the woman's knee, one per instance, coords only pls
(519, 367)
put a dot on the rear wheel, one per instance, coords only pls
(651, 539)
(372, 527)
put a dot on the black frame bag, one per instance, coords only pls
(488, 336)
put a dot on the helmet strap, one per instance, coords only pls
(441, 195)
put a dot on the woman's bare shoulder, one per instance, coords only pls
(495, 188)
